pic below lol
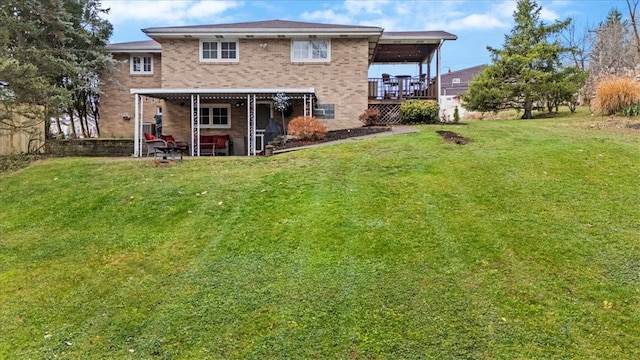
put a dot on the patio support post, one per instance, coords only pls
(137, 123)
(438, 61)
(304, 104)
(195, 125)
(251, 125)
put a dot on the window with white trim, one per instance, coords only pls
(218, 51)
(455, 81)
(141, 64)
(215, 116)
(311, 51)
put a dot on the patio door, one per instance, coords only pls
(264, 112)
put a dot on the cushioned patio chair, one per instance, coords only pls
(162, 148)
(389, 85)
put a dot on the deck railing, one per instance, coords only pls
(400, 88)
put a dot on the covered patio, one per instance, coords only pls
(419, 48)
(249, 98)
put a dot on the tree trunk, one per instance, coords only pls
(528, 106)
(72, 123)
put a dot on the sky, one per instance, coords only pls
(476, 23)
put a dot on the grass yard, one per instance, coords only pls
(522, 244)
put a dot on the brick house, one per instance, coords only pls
(221, 79)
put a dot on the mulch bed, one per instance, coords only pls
(334, 135)
(450, 136)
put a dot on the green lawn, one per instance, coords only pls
(522, 244)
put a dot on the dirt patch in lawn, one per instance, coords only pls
(616, 123)
(450, 136)
(335, 135)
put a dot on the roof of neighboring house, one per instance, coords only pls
(135, 46)
(463, 76)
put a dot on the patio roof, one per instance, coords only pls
(408, 46)
(222, 93)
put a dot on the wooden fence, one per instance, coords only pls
(21, 135)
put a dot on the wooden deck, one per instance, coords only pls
(386, 95)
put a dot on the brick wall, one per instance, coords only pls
(117, 99)
(90, 147)
(342, 82)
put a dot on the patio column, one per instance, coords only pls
(195, 125)
(137, 123)
(251, 124)
(438, 61)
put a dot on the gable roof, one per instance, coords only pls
(268, 28)
(385, 47)
(147, 46)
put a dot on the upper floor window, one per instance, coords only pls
(141, 64)
(455, 81)
(215, 116)
(220, 51)
(311, 51)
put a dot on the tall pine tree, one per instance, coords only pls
(50, 54)
(524, 70)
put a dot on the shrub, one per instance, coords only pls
(616, 93)
(419, 111)
(370, 117)
(456, 115)
(631, 110)
(307, 128)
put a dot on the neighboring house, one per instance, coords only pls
(454, 84)
(221, 79)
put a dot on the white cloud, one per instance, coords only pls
(327, 15)
(206, 9)
(549, 16)
(369, 7)
(172, 12)
(476, 21)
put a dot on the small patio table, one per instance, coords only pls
(402, 79)
(173, 152)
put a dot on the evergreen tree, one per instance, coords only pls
(50, 54)
(523, 70)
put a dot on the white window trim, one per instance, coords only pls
(141, 56)
(219, 60)
(217, 106)
(310, 60)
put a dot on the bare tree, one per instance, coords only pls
(579, 45)
(633, 5)
(613, 50)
